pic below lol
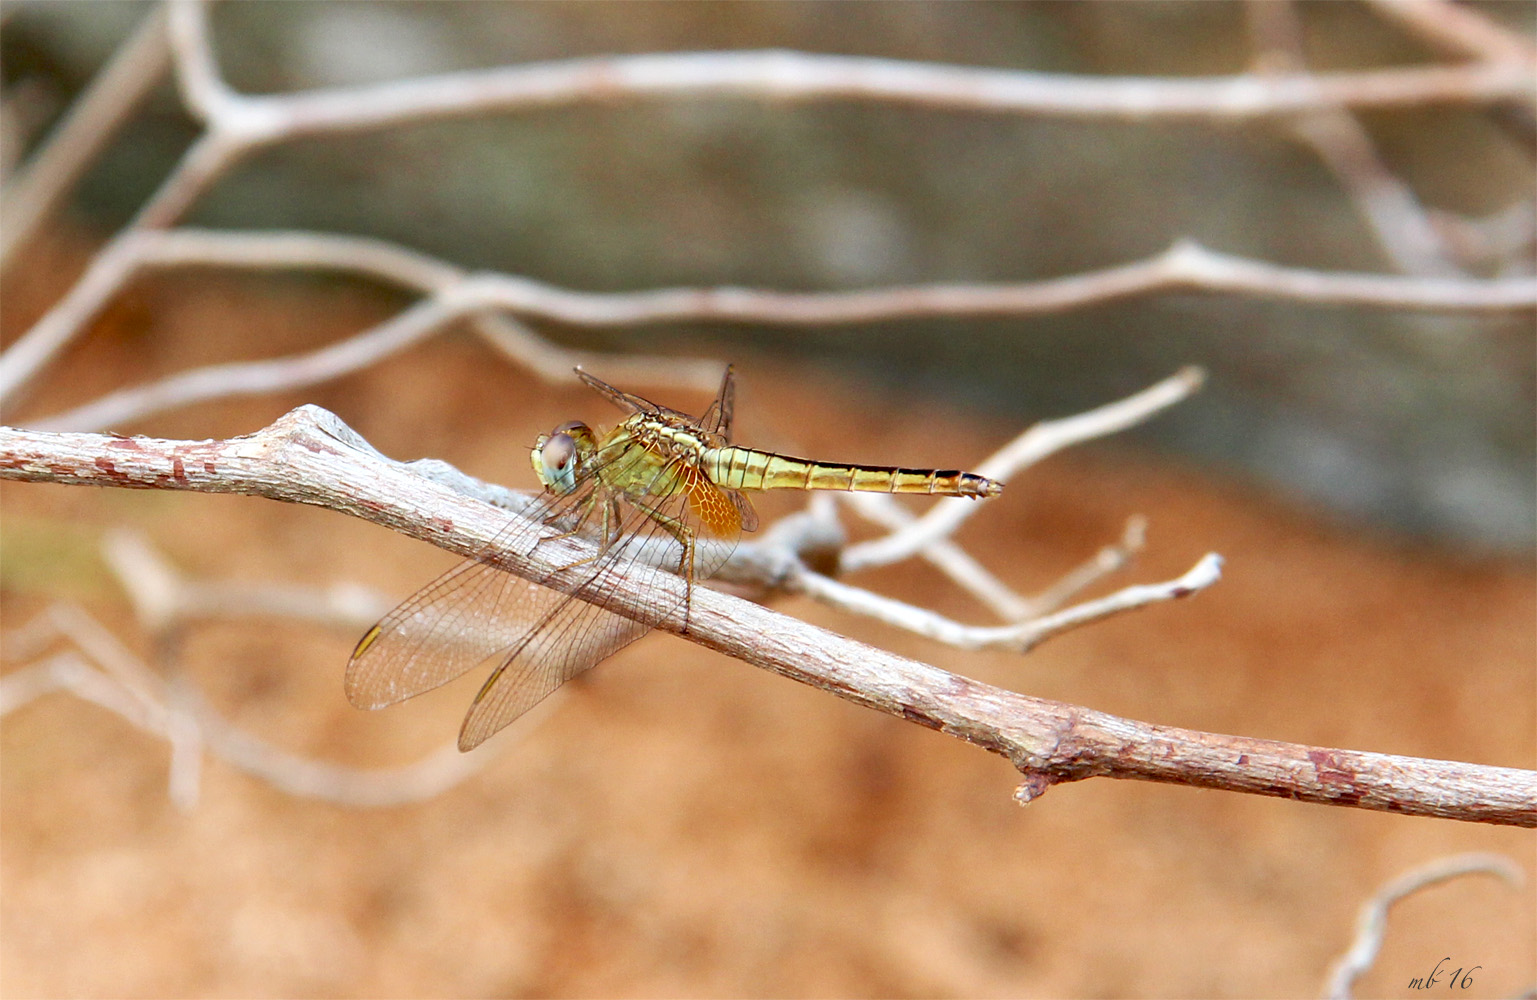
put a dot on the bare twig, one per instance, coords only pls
(1110, 559)
(70, 671)
(1459, 30)
(1505, 238)
(1371, 925)
(805, 76)
(105, 674)
(202, 86)
(1020, 638)
(1045, 438)
(944, 555)
(310, 457)
(162, 598)
(1185, 266)
(1389, 206)
(105, 277)
(91, 121)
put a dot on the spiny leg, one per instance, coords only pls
(610, 533)
(685, 537)
(581, 521)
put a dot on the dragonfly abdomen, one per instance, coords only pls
(746, 469)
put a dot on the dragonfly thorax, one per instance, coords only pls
(670, 436)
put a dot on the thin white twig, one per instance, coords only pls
(106, 651)
(189, 725)
(105, 277)
(70, 671)
(1021, 637)
(1036, 443)
(1206, 571)
(419, 781)
(255, 378)
(203, 90)
(1109, 559)
(184, 733)
(781, 75)
(1389, 206)
(944, 555)
(1460, 30)
(1184, 266)
(163, 598)
(1505, 238)
(1371, 925)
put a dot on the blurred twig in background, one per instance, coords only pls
(237, 125)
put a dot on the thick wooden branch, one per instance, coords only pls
(309, 456)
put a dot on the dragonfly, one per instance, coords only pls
(661, 494)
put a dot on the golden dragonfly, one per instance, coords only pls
(658, 494)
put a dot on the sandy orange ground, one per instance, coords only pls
(684, 825)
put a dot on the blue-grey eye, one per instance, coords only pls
(558, 452)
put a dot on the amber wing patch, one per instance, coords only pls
(710, 505)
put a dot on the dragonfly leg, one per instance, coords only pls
(685, 537)
(581, 522)
(609, 534)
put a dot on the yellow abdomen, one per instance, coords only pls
(745, 469)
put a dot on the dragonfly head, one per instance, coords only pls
(558, 456)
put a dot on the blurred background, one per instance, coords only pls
(1405, 423)
(679, 825)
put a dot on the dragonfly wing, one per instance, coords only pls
(745, 511)
(574, 637)
(453, 624)
(468, 615)
(627, 401)
(717, 418)
(650, 522)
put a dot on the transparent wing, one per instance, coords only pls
(717, 419)
(450, 626)
(626, 401)
(542, 637)
(573, 637)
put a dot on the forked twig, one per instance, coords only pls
(1385, 202)
(1460, 31)
(454, 294)
(1020, 638)
(310, 457)
(102, 672)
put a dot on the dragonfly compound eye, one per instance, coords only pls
(556, 462)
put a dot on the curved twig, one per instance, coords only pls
(1371, 925)
(1186, 266)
